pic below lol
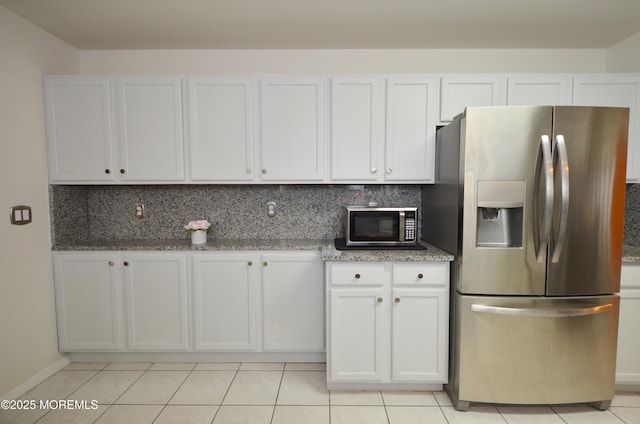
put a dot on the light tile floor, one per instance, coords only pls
(266, 393)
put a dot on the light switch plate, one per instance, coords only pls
(20, 215)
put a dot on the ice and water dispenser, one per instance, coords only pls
(500, 214)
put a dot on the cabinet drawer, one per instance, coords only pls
(358, 273)
(436, 273)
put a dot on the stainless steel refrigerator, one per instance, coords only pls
(530, 200)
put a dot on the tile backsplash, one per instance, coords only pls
(632, 216)
(90, 213)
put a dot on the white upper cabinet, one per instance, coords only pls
(411, 129)
(615, 90)
(383, 136)
(293, 129)
(540, 90)
(150, 129)
(221, 128)
(463, 90)
(106, 130)
(357, 128)
(79, 129)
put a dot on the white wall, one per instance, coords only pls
(341, 61)
(625, 56)
(27, 331)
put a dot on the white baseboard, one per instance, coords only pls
(33, 381)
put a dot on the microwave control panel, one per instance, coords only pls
(410, 226)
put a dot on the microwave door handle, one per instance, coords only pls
(561, 149)
(544, 162)
(401, 226)
(549, 313)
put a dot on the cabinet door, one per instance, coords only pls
(157, 303)
(224, 302)
(357, 128)
(293, 121)
(221, 128)
(628, 362)
(411, 129)
(79, 129)
(358, 334)
(150, 129)
(615, 91)
(292, 302)
(419, 341)
(540, 90)
(88, 302)
(460, 91)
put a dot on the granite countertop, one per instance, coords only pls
(325, 246)
(630, 254)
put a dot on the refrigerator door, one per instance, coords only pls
(525, 350)
(585, 247)
(505, 163)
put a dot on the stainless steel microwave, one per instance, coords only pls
(379, 226)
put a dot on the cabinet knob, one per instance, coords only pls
(389, 170)
(250, 263)
(265, 263)
(374, 170)
(397, 300)
(107, 171)
(249, 170)
(420, 276)
(122, 171)
(379, 300)
(264, 171)
(126, 263)
(111, 263)
(357, 276)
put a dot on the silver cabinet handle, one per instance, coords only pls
(544, 162)
(374, 170)
(555, 313)
(561, 149)
(389, 170)
(249, 171)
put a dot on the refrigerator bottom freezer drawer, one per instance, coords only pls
(535, 350)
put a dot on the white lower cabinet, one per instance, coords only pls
(258, 302)
(387, 323)
(224, 300)
(292, 302)
(157, 301)
(628, 360)
(146, 301)
(89, 303)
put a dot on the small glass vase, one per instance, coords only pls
(199, 237)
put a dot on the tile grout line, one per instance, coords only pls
(195, 364)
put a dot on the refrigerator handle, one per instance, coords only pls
(549, 313)
(544, 162)
(561, 151)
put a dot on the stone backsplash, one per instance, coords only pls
(90, 213)
(632, 216)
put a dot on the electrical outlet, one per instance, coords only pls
(271, 209)
(139, 210)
